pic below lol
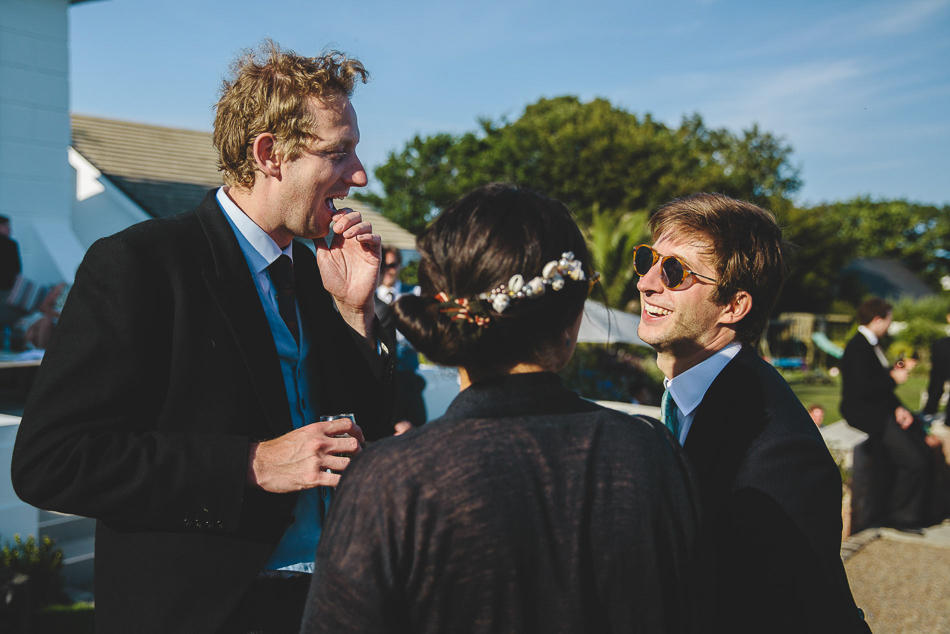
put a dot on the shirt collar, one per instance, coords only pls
(259, 249)
(689, 388)
(870, 336)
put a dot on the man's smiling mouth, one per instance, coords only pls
(656, 311)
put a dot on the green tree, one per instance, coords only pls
(611, 244)
(915, 234)
(588, 155)
(814, 279)
(829, 236)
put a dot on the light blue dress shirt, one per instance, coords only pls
(297, 548)
(689, 388)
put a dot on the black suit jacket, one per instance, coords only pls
(161, 370)
(387, 319)
(771, 496)
(867, 389)
(10, 265)
(939, 373)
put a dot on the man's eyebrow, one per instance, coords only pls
(336, 145)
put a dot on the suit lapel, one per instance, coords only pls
(710, 430)
(230, 284)
(716, 425)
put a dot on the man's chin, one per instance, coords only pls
(648, 335)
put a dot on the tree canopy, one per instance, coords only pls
(830, 235)
(613, 168)
(588, 155)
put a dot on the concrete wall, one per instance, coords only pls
(36, 182)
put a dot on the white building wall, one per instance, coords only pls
(100, 208)
(36, 182)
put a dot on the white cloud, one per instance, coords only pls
(906, 17)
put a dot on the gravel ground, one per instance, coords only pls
(903, 586)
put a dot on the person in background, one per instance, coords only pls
(817, 413)
(390, 288)
(939, 373)
(178, 400)
(771, 491)
(10, 268)
(10, 265)
(525, 508)
(869, 403)
(409, 408)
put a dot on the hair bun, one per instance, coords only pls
(429, 330)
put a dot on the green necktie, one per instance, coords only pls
(668, 414)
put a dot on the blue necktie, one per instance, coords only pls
(668, 414)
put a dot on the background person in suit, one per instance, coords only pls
(939, 373)
(10, 265)
(869, 403)
(177, 400)
(771, 492)
(390, 288)
(525, 508)
(409, 408)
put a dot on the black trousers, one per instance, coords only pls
(271, 606)
(912, 459)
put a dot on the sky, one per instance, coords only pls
(859, 88)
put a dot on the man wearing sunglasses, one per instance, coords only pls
(771, 492)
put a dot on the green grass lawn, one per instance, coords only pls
(828, 392)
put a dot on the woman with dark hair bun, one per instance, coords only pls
(525, 508)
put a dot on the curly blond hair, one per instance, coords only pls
(268, 91)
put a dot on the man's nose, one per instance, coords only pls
(356, 175)
(651, 281)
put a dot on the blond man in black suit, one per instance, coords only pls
(178, 401)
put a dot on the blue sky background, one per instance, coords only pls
(861, 89)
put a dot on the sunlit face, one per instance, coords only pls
(391, 268)
(325, 170)
(683, 323)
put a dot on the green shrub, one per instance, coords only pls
(42, 563)
(410, 273)
(916, 338)
(933, 309)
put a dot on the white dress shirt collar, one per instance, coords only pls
(259, 248)
(874, 341)
(870, 336)
(689, 388)
(387, 294)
